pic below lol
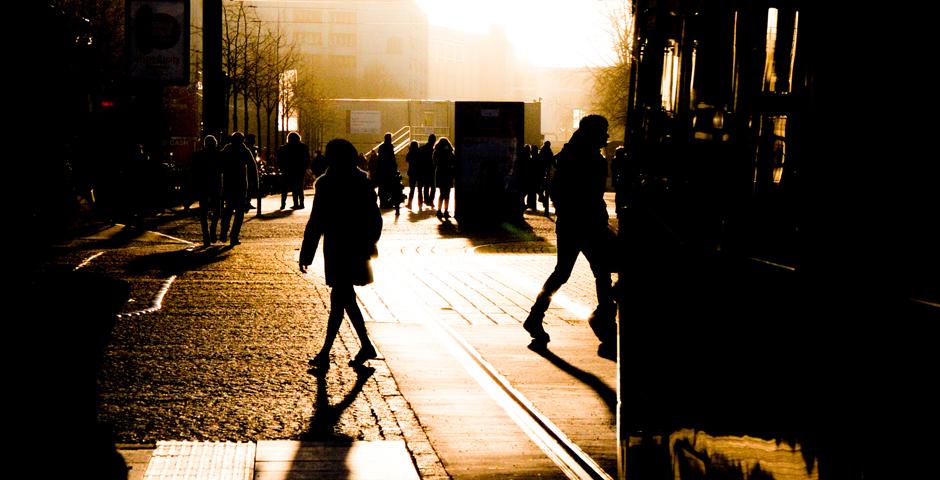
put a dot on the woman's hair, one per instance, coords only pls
(445, 142)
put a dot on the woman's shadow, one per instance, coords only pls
(326, 416)
(325, 451)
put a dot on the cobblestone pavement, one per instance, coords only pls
(213, 343)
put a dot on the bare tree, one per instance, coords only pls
(271, 57)
(612, 83)
(290, 96)
(235, 48)
(100, 23)
(314, 109)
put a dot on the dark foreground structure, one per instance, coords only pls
(778, 265)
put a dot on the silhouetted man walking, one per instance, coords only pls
(207, 180)
(581, 227)
(293, 157)
(236, 160)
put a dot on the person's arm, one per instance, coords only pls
(312, 232)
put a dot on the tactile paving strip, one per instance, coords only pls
(174, 460)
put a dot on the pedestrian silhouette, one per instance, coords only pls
(444, 164)
(236, 162)
(581, 227)
(345, 214)
(427, 170)
(318, 164)
(254, 176)
(546, 166)
(387, 177)
(413, 158)
(294, 158)
(207, 180)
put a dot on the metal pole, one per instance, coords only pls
(213, 82)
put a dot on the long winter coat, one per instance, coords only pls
(346, 215)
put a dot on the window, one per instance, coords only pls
(342, 39)
(576, 115)
(770, 69)
(780, 50)
(308, 38)
(306, 15)
(670, 83)
(342, 61)
(343, 17)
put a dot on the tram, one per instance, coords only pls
(776, 199)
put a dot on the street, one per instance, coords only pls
(212, 346)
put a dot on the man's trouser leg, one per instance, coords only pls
(566, 257)
(599, 253)
(285, 186)
(299, 191)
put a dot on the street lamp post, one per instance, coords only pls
(213, 88)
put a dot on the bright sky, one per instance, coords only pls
(566, 33)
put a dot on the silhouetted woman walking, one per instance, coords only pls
(345, 214)
(444, 164)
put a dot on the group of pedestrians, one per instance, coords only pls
(221, 178)
(431, 166)
(532, 173)
(225, 179)
(346, 216)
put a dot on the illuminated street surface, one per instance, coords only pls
(447, 313)
(209, 355)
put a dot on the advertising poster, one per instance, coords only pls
(488, 136)
(158, 41)
(365, 121)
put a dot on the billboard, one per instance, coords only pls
(364, 121)
(488, 136)
(157, 35)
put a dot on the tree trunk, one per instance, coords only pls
(258, 124)
(246, 112)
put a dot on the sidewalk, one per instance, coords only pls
(479, 286)
(269, 460)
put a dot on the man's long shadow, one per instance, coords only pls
(490, 233)
(178, 261)
(415, 216)
(270, 215)
(607, 394)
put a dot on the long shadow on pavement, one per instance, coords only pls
(178, 261)
(271, 215)
(487, 234)
(325, 415)
(607, 394)
(417, 216)
(134, 228)
(330, 447)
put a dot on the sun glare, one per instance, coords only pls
(559, 33)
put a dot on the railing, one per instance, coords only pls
(405, 135)
(400, 139)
